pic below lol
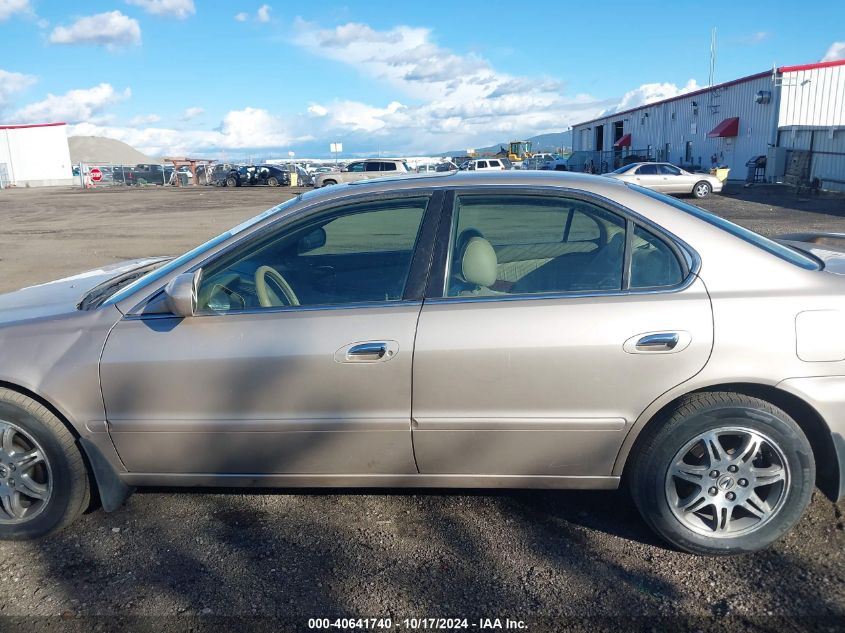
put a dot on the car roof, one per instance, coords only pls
(572, 180)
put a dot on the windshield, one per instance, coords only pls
(779, 250)
(622, 170)
(174, 264)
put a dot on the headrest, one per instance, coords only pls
(478, 265)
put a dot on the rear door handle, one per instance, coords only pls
(658, 342)
(367, 352)
(662, 342)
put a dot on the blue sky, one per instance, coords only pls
(177, 76)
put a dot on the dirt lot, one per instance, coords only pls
(544, 557)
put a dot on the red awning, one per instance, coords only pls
(728, 127)
(625, 141)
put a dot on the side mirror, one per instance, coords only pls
(313, 240)
(181, 294)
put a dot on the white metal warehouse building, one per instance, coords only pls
(34, 155)
(792, 115)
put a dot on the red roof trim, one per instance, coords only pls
(625, 141)
(792, 69)
(728, 127)
(767, 73)
(21, 127)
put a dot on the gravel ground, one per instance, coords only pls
(541, 557)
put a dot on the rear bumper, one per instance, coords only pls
(826, 394)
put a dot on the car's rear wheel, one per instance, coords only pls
(43, 480)
(272, 181)
(723, 473)
(702, 189)
(231, 181)
(329, 183)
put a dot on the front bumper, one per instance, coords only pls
(826, 394)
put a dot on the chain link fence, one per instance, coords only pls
(102, 174)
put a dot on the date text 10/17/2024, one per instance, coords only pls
(418, 624)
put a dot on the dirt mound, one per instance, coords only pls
(99, 149)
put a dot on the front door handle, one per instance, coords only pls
(658, 342)
(367, 352)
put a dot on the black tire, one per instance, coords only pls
(71, 494)
(701, 189)
(698, 413)
(272, 181)
(329, 183)
(231, 181)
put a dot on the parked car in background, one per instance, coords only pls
(485, 164)
(426, 168)
(253, 175)
(559, 164)
(303, 177)
(667, 178)
(236, 176)
(272, 176)
(446, 165)
(152, 174)
(555, 330)
(363, 170)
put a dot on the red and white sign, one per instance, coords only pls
(96, 174)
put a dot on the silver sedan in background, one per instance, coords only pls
(667, 178)
(556, 331)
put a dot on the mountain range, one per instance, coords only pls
(540, 143)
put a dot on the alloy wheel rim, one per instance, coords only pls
(702, 191)
(26, 480)
(727, 482)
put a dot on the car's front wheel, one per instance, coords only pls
(43, 480)
(723, 473)
(702, 189)
(329, 183)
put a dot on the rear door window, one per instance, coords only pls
(515, 244)
(669, 170)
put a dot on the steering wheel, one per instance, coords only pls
(267, 297)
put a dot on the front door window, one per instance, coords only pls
(360, 253)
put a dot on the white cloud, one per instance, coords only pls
(263, 13)
(247, 129)
(73, 106)
(443, 100)
(9, 7)
(835, 52)
(192, 113)
(12, 83)
(178, 8)
(111, 29)
(650, 93)
(448, 99)
(241, 17)
(144, 119)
